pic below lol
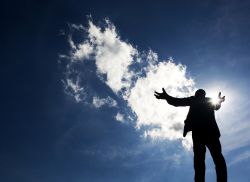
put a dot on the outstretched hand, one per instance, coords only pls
(162, 95)
(221, 99)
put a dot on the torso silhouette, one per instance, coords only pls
(200, 118)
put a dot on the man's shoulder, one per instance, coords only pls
(208, 99)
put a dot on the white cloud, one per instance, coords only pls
(151, 111)
(112, 55)
(99, 102)
(77, 27)
(74, 89)
(115, 60)
(83, 51)
(119, 117)
(152, 57)
(161, 118)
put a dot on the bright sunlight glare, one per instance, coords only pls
(215, 99)
(213, 90)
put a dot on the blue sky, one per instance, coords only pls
(76, 102)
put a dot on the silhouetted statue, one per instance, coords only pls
(205, 132)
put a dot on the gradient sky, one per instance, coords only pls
(47, 136)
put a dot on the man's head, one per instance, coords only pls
(200, 93)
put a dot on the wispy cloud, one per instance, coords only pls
(99, 102)
(239, 158)
(145, 153)
(73, 88)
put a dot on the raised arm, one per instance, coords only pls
(173, 100)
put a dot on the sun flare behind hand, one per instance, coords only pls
(215, 100)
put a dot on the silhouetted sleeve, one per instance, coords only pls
(217, 107)
(179, 101)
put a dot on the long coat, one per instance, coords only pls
(200, 118)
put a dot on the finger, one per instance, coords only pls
(163, 90)
(222, 99)
(157, 92)
(219, 95)
(157, 96)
